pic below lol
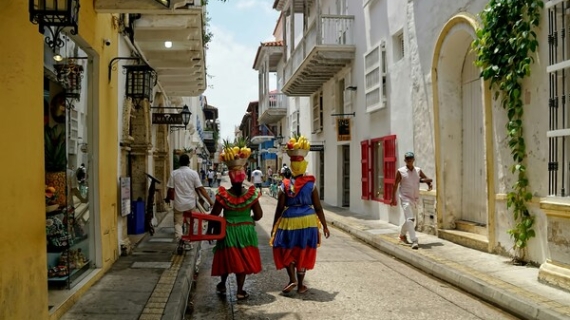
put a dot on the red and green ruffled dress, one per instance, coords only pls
(238, 251)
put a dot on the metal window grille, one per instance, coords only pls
(559, 92)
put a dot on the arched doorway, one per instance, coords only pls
(463, 139)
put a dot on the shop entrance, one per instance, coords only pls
(69, 215)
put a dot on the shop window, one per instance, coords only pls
(378, 168)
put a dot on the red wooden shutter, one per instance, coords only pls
(389, 144)
(365, 153)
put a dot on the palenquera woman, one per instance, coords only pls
(238, 252)
(298, 218)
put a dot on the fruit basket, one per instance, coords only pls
(298, 152)
(236, 163)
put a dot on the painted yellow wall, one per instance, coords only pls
(23, 271)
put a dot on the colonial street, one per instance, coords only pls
(350, 281)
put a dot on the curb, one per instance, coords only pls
(177, 303)
(525, 308)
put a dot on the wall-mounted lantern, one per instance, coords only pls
(185, 119)
(141, 79)
(69, 76)
(56, 14)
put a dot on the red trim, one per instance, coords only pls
(365, 169)
(224, 197)
(389, 167)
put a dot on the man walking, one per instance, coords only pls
(410, 178)
(186, 183)
(257, 179)
(269, 174)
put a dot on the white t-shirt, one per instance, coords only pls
(257, 176)
(218, 175)
(184, 181)
(210, 174)
(410, 184)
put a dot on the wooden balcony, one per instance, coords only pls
(273, 107)
(144, 6)
(326, 48)
(298, 6)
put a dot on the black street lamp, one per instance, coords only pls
(141, 79)
(58, 14)
(185, 119)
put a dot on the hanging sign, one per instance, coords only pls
(343, 129)
(167, 118)
(317, 147)
(125, 195)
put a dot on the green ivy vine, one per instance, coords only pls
(504, 46)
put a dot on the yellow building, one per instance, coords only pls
(68, 129)
(34, 110)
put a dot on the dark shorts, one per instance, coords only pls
(258, 185)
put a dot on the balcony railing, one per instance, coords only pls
(329, 30)
(273, 101)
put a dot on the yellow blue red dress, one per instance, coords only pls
(238, 252)
(296, 235)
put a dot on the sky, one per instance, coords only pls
(238, 26)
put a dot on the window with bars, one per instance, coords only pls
(378, 168)
(374, 78)
(559, 82)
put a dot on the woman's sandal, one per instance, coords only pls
(302, 289)
(288, 288)
(242, 296)
(221, 288)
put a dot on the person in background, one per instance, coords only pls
(211, 177)
(238, 251)
(257, 179)
(219, 178)
(283, 169)
(269, 175)
(203, 175)
(248, 174)
(186, 184)
(409, 178)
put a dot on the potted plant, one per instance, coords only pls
(56, 161)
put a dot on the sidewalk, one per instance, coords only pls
(151, 283)
(488, 276)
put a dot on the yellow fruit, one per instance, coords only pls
(296, 145)
(292, 140)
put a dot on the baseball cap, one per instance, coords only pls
(409, 154)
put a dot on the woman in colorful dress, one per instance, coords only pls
(298, 218)
(238, 252)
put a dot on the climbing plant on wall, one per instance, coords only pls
(505, 45)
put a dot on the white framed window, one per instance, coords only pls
(317, 112)
(374, 78)
(399, 46)
(73, 134)
(293, 121)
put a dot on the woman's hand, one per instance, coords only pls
(326, 232)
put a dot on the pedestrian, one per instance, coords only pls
(269, 175)
(219, 178)
(203, 175)
(409, 178)
(210, 177)
(248, 174)
(257, 179)
(81, 175)
(283, 170)
(295, 235)
(184, 183)
(238, 251)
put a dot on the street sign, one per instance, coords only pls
(317, 147)
(167, 118)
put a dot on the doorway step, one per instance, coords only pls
(467, 233)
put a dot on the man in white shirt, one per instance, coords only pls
(185, 182)
(257, 179)
(409, 178)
